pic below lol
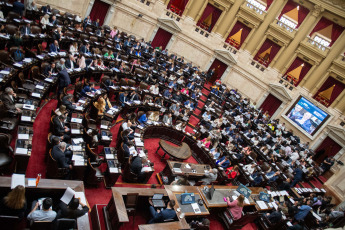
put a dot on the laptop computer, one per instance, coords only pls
(157, 201)
(177, 167)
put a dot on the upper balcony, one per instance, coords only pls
(255, 9)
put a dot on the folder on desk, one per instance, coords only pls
(244, 190)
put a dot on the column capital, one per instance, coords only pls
(317, 10)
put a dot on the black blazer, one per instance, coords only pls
(8, 102)
(60, 157)
(67, 103)
(136, 165)
(59, 128)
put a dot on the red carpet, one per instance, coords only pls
(37, 162)
(193, 120)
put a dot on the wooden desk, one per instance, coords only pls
(186, 171)
(48, 188)
(182, 224)
(182, 152)
(173, 190)
(115, 213)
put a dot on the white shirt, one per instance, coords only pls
(154, 89)
(125, 126)
(249, 168)
(294, 156)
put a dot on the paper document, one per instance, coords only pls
(104, 127)
(196, 208)
(75, 131)
(29, 107)
(68, 195)
(262, 204)
(23, 136)
(25, 118)
(76, 120)
(21, 151)
(76, 148)
(113, 170)
(109, 156)
(31, 182)
(17, 179)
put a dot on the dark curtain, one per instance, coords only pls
(327, 148)
(161, 38)
(305, 69)
(177, 6)
(267, 44)
(219, 67)
(271, 104)
(302, 12)
(210, 9)
(323, 23)
(339, 87)
(99, 10)
(269, 2)
(245, 31)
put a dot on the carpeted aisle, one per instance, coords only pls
(41, 125)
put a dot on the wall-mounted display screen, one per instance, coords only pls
(307, 115)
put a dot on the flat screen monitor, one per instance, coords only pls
(306, 115)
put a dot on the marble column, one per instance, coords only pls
(196, 8)
(272, 13)
(224, 27)
(89, 8)
(334, 52)
(109, 15)
(307, 25)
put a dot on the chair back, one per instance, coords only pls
(4, 56)
(41, 225)
(131, 83)
(84, 37)
(10, 222)
(93, 39)
(89, 29)
(91, 154)
(55, 11)
(131, 200)
(35, 30)
(63, 224)
(123, 82)
(143, 86)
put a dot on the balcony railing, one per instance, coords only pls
(172, 15)
(285, 26)
(317, 45)
(202, 31)
(257, 8)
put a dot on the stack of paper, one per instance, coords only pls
(17, 179)
(76, 120)
(196, 208)
(23, 136)
(261, 204)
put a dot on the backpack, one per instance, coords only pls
(18, 56)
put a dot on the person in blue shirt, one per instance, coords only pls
(223, 162)
(257, 179)
(191, 85)
(272, 176)
(215, 152)
(143, 119)
(54, 47)
(138, 53)
(88, 89)
(165, 214)
(297, 177)
(189, 104)
(173, 84)
(123, 98)
(303, 211)
(167, 93)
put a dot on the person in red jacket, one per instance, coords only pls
(232, 172)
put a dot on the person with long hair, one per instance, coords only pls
(236, 206)
(14, 204)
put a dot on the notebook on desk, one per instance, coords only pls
(177, 167)
(157, 201)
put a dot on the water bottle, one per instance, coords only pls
(38, 179)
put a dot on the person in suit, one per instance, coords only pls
(18, 7)
(100, 32)
(25, 30)
(57, 34)
(123, 98)
(174, 108)
(8, 99)
(167, 93)
(275, 216)
(67, 101)
(167, 119)
(49, 69)
(210, 73)
(134, 96)
(70, 63)
(166, 214)
(223, 162)
(59, 127)
(96, 23)
(137, 164)
(85, 49)
(71, 210)
(64, 79)
(58, 153)
(298, 175)
(210, 176)
(87, 21)
(54, 47)
(53, 20)
(46, 9)
(31, 5)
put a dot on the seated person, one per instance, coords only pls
(180, 181)
(211, 175)
(8, 98)
(63, 158)
(232, 172)
(236, 206)
(206, 142)
(60, 129)
(275, 216)
(14, 204)
(123, 98)
(88, 89)
(215, 152)
(166, 214)
(177, 97)
(143, 119)
(154, 89)
(45, 213)
(102, 104)
(174, 108)
(223, 162)
(167, 119)
(167, 93)
(67, 101)
(126, 147)
(205, 224)
(61, 111)
(71, 210)
(134, 96)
